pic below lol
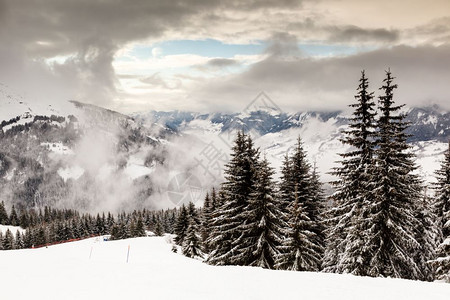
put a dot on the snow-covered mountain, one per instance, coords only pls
(76, 155)
(72, 154)
(276, 133)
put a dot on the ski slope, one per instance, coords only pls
(95, 269)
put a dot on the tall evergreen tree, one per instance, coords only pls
(258, 244)
(441, 204)
(13, 218)
(192, 244)
(230, 218)
(300, 192)
(181, 225)
(140, 229)
(18, 242)
(8, 240)
(427, 235)
(392, 240)
(206, 222)
(442, 210)
(348, 223)
(4, 219)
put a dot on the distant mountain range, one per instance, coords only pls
(427, 123)
(72, 154)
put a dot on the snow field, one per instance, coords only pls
(72, 271)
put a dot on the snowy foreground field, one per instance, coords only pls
(94, 269)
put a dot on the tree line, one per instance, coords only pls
(50, 226)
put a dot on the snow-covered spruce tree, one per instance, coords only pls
(258, 244)
(319, 209)
(392, 240)
(347, 221)
(13, 218)
(442, 196)
(206, 222)
(140, 228)
(8, 240)
(159, 230)
(442, 209)
(427, 235)
(214, 199)
(193, 213)
(19, 244)
(181, 226)
(192, 242)
(4, 219)
(303, 244)
(229, 217)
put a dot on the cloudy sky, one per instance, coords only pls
(211, 55)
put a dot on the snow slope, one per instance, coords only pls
(94, 269)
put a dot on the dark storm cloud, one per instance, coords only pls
(90, 32)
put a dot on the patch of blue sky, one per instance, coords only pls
(205, 48)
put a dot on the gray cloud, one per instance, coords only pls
(283, 44)
(222, 62)
(357, 34)
(216, 64)
(155, 80)
(90, 32)
(329, 84)
(435, 31)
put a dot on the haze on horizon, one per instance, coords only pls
(212, 55)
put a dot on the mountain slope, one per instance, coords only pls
(80, 156)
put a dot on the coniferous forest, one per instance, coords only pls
(379, 221)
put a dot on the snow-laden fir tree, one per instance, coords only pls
(159, 228)
(303, 244)
(4, 219)
(13, 218)
(347, 220)
(193, 214)
(192, 246)
(392, 240)
(229, 218)
(140, 228)
(19, 244)
(258, 244)
(427, 235)
(8, 240)
(181, 226)
(207, 211)
(442, 210)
